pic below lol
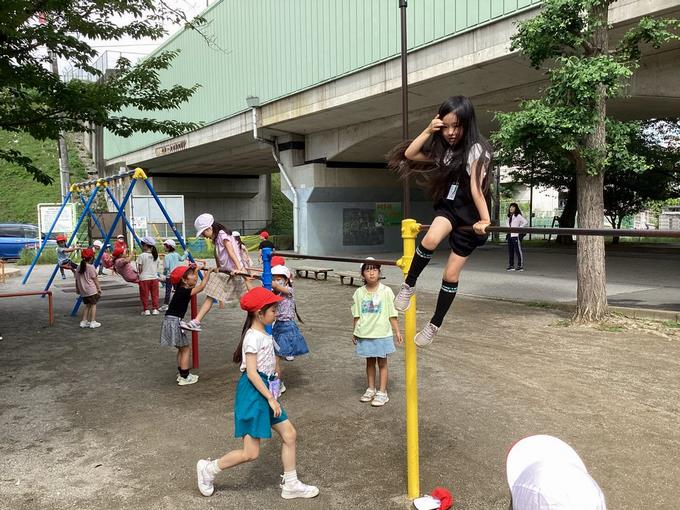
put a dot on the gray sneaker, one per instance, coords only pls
(402, 300)
(426, 336)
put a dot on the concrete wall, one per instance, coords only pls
(239, 203)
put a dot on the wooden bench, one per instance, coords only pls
(316, 270)
(349, 275)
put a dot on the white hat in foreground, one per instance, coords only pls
(98, 244)
(545, 473)
(170, 243)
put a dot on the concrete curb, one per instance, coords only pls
(12, 272)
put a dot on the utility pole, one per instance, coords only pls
(406, 206)
(64, 175)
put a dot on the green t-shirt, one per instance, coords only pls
(374, 310)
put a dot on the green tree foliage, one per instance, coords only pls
(569, 40)
(34, 101)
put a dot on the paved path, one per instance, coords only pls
(639, 280)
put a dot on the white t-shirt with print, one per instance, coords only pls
(262, 345)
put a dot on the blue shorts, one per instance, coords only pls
(252, 414)
(289, 339)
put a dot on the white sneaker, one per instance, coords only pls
(402, 301)
(426, 336)
(205, 479)
(297, 489)
(290, 358)
(380, 399)
(368, 395)
(282, 389)
(190, 379)
(164, 308)
(146, 312)
(154, 312)
(84, 324)
(192, 325)
(95, 324)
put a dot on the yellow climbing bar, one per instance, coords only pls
(139, 174)
(409, 232)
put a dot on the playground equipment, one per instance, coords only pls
(50, 309)
(409, 232)
(102, 185)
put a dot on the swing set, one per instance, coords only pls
(102, 185)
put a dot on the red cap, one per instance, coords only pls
(118, 250)
(61, 237)
(444, 496)
(178, 273)
(264, 234)
(256, 298)
(88, 253)
(278, 260)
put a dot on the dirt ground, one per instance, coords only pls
(94, 419)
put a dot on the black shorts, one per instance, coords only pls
(462, 242)
(92, 300)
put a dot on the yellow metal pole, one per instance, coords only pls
(409, 232)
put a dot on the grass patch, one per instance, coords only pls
(19, 194)
(563, 323)
(612, 328)
(540, 304)
(672, 324)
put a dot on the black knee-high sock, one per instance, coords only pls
(184, 372)
(420, 260)
(447, 293)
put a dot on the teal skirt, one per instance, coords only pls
(252, 414)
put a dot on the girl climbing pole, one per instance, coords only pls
(452, 162)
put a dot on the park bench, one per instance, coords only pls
(350, 276)
(316, 270)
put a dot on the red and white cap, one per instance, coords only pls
(545, 473)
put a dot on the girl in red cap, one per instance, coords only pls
(256, 408)
(184, 279)
(87, 285)
(62, 255)
(123, 265)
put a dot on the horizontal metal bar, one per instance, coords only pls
(110, 178)
(334, 259)
(604, 232)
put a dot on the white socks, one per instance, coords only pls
(290, 477)
(213, 468)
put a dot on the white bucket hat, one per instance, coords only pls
(545, 473)
(170, 243)
(120, 236)
(235, 233)
(148, 240)
(203, 222)
(98, 244)
(281, 270)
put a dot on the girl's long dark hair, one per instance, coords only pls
(216, 227)
(238, 354)
(436, 175)
(518, 211)
(154, 251)
(83, 265)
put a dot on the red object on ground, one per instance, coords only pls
(444, 496)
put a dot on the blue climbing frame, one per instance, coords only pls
(137, 175)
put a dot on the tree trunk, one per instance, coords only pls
(568, 218)
(591, 292)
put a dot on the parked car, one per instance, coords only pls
(14, 237)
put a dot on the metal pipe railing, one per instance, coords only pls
(47, 293)
(603, 232)
(334, 259)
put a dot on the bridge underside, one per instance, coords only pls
(333, 137)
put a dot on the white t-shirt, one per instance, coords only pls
(262, 345)
(477, 153)
(148, 268)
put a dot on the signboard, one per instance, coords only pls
(139, 223)
(388, 213)
(145, 210)
(177, 146)
(47, 213)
